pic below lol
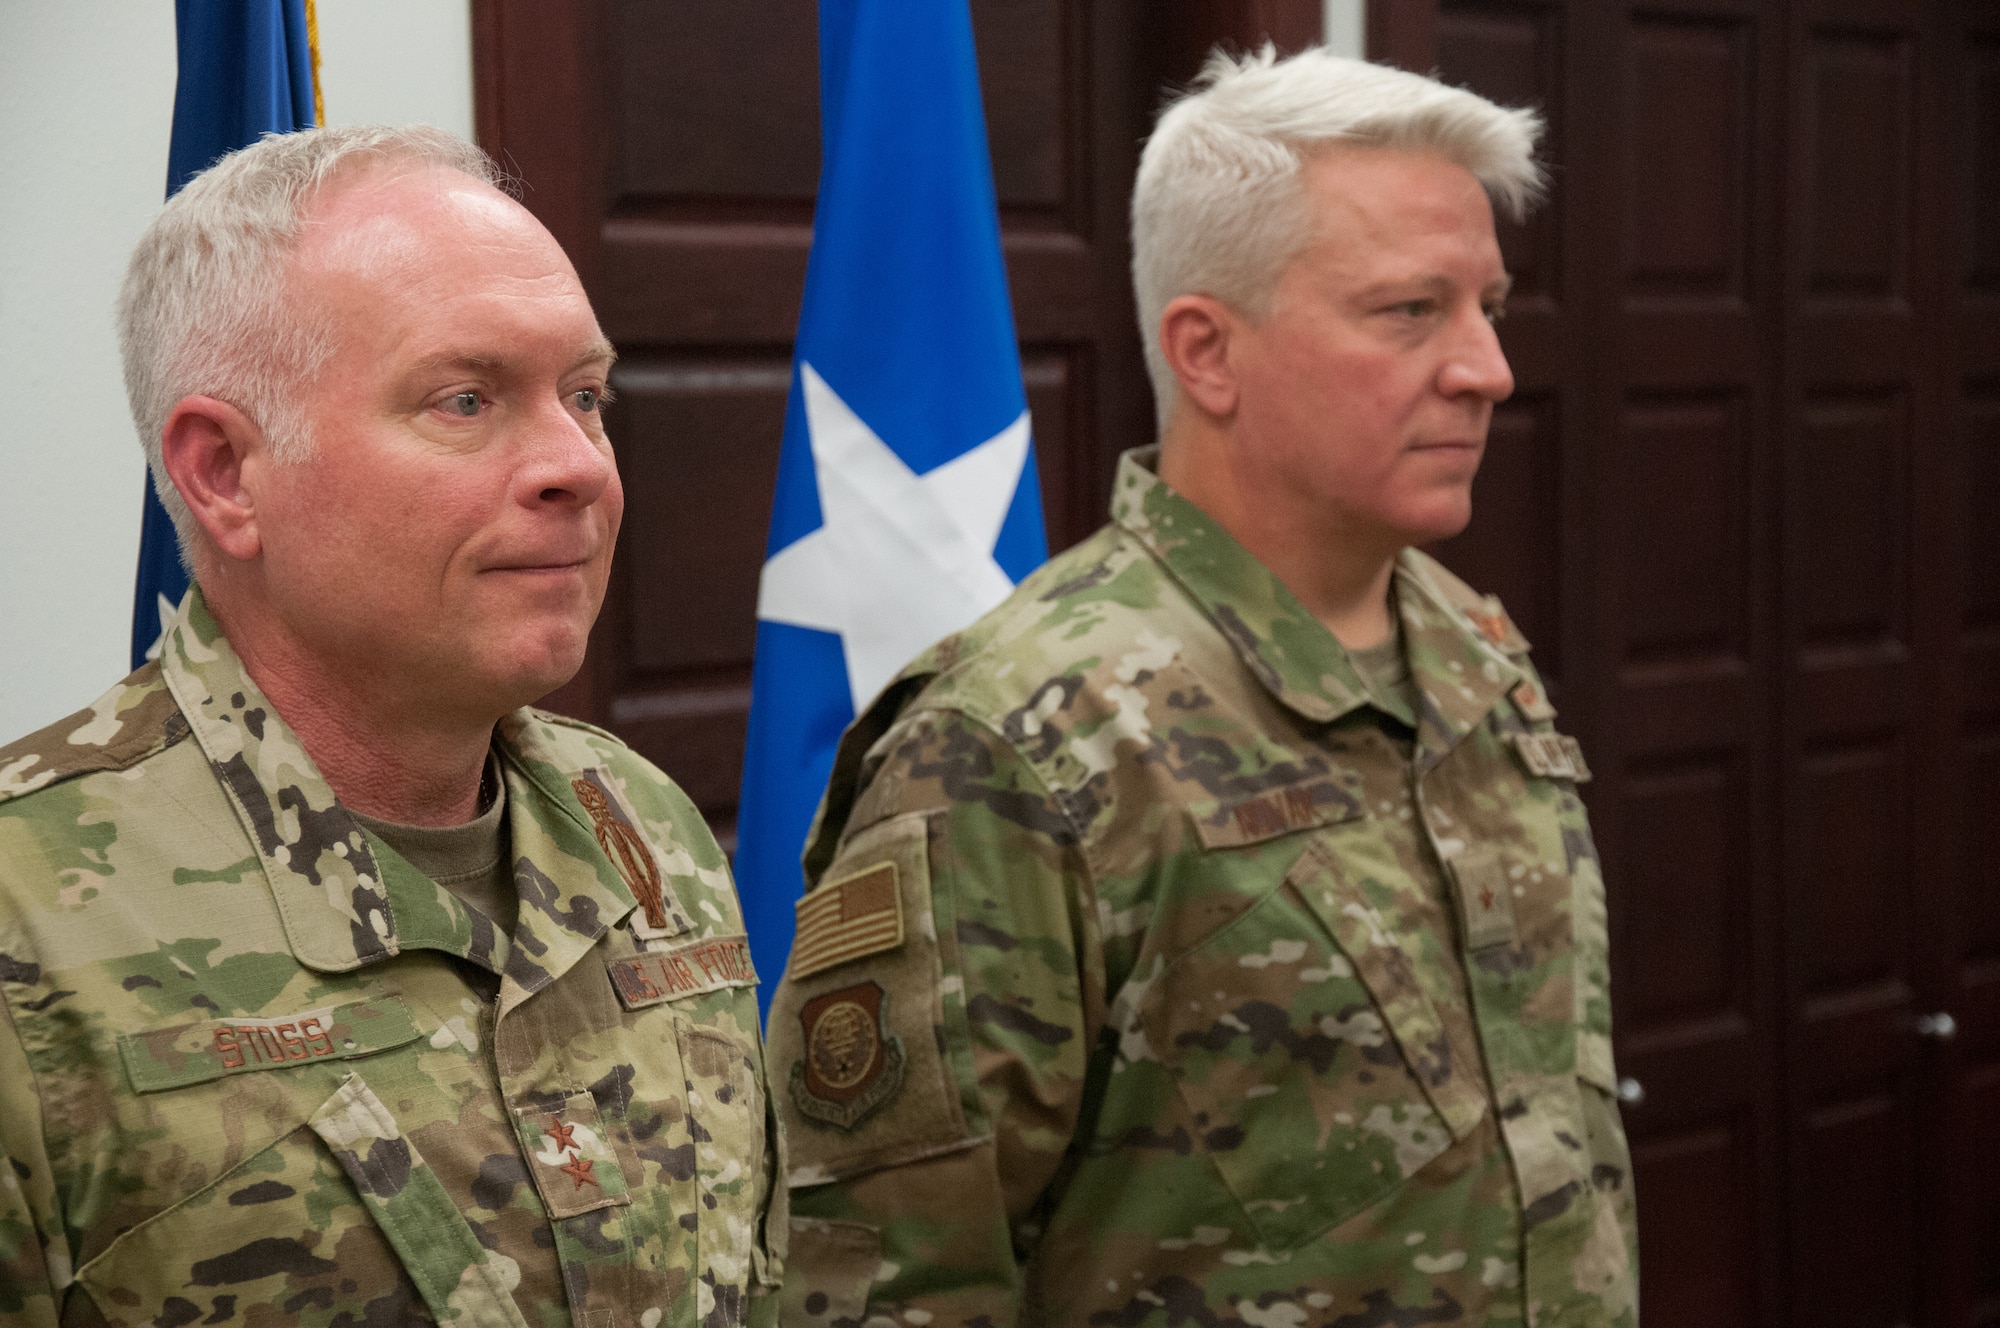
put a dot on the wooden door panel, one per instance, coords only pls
(1980, 1102)
(732, 76)
(1854, 484)
(1856, 925)
(1858, 122)
(1691, 117)
(702, 449)
(1694, 1187)
(1688, 961)
(1685, 542)
(1856, 1215)
(1981, 171)
(744, 76)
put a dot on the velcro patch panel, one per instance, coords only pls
(195, 1052)
(1276, 812)
(689, 969)
(1552, 756)
(1485, 900)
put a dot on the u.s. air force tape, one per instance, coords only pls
(685, 970)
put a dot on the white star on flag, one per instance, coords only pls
(167, 610)
(900, 559)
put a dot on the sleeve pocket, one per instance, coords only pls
(830, 1267)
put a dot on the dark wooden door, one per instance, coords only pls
(1745, 501)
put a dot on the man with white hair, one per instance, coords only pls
(339, 986)
(1212, 934)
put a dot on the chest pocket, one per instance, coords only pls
(680, 1097)
(340, 1209)
(1307, 1053)
(726, 1121)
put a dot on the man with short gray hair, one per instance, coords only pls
(1212, 934)
(337, 985)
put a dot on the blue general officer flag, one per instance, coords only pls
(907, 503)
(246, 70)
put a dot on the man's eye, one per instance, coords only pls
(463, 403)
(1411, 308)
(587, 399)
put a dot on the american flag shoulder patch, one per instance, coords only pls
(855, 915)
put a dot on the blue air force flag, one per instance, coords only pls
(246, 70)
(907, 503)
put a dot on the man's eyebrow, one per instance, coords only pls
(1435, 283)
(460, 360)
(600, 351)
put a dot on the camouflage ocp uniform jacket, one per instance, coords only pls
(250, 1071)
(1153, 975)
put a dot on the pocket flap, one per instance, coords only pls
(457, 1278)
(195, 1051)
(1454, 1091)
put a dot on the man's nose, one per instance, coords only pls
(1476, 365)
(567, 463)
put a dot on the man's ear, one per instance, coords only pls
(1195, 332)
(213, 453)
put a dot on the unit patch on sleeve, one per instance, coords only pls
(685, 970)
(858, 914)
(851, 1064)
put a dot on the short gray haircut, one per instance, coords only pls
(1219, 205)
(204, 308)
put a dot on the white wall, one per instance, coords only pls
(86, 104)
(1347, 27)
(397, 62)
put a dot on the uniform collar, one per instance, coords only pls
(346, 899)
(1460, 671)
(1462, 668)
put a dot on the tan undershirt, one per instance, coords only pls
(1386, 670)
(469, 860)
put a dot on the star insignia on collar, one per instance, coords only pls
(1492, 626)
(561, 1136)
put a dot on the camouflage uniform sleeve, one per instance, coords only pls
(28, 1223)
(994, 997)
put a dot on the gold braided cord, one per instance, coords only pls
(312, 45)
